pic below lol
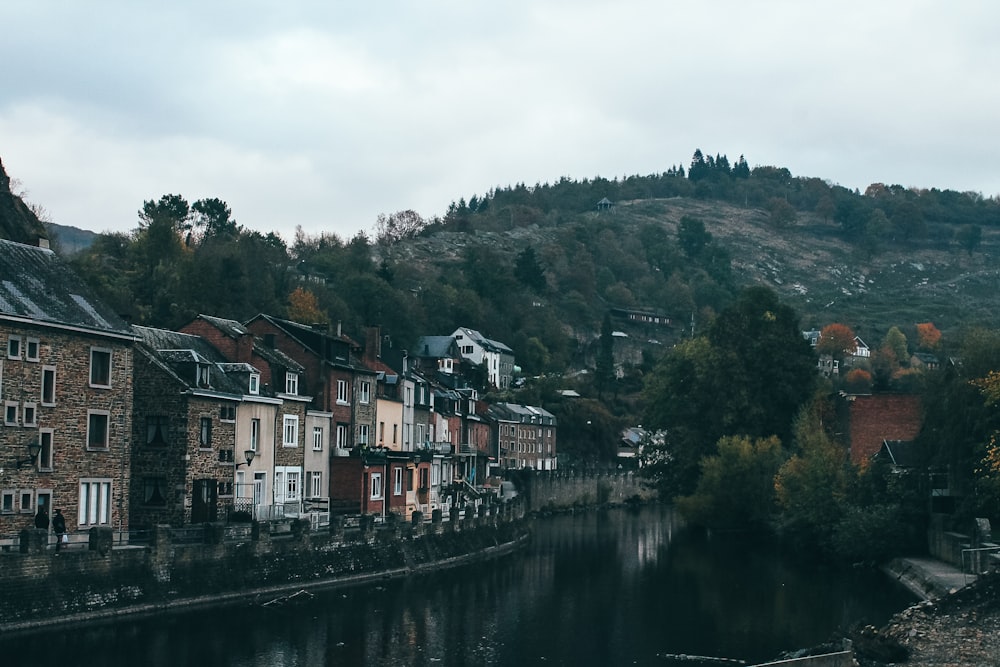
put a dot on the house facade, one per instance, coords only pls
(494, 356)
(525, 436)
(66, 391)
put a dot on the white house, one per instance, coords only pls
(495, 356)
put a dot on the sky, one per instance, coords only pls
(326, 114)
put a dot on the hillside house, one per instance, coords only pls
(525, 436)
(494, 356)
(870, 420)
(66, 391)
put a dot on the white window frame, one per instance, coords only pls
(48, 372)
(95, 501)
(254, 387)
(15, 347)
(375, 485)
(397, 482)
(343, 394)
(317, 438)
(342, 435)
(287, 484)
(254, 434)
(363, 435)
(365, 392)
(94, 351)
(316, 484)
(292, 384)
(107, 430)
(290, 431)
(28, 354)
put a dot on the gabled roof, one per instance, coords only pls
(484, 342)
(435, 347)
(177, 352)
(313, 339)
(525, 414)
(235, 330)
(36, 285)
(902, 453)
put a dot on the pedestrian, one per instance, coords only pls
(42, 519)
(59, 528)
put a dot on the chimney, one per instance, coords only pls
(340, 331)
(244, 348)
(373, 343)
(43, 243)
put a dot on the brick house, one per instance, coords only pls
(66, 391)
(184, 442)
(525, 436)
(873, 419)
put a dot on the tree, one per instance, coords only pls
(928, 336)
(895, 340)
(736, 487)
(169, 207)
(969, 237)
(528, 271)
(692, 236)
(390, 229)
(836, 340)
(604, 374)
(304, 307)
(214, 217)
(781, 212)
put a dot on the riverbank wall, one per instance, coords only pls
(233, 562)
(561, 490)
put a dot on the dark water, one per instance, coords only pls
(612, 588)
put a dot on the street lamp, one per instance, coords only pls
(248, 455)
(34, 447)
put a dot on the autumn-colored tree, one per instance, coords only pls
(837, 340)
(928, 336)
(858, 381)
(304, 307)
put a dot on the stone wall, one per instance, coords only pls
(235, 561)
(550, 491)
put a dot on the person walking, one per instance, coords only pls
(59, 528)
(42, 519)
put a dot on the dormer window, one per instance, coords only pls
(292, 383)
(255, 383)
(203, 375)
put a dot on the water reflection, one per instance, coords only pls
(612, 588)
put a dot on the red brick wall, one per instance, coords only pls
(879, 417)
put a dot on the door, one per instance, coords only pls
(259, 489)
(203, 506)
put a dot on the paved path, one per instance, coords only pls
(928, 578)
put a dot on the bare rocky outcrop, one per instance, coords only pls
(17, 221)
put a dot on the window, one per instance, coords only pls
(97, 429)
(422, 474)
(342, 392)
(30, 415)
(45, 453)
(363, 435)
(409, 397)
(10, 410)
(342, 432)
(14, 347)
(205, 433)
(156, 430)
(397, 484)
(100, 367)
(376, 485)
(225, 488)
(27, 501)
(31, 349)
(406, 436)
(286, 484)
(227, 413)
(315, 485)
(255, 383)
(467, 349)
(203, 375)
(225, 456)
(381, 433)
(154, 491)
(317, 438)
(366, 391)
(7, 502)
(395, 433)
(291, 383)
(48, 385)
(291, 431)
(95, 502)
(254, 433)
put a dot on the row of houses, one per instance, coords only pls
(130, 426)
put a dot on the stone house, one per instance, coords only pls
(525, 436)
(66, 391)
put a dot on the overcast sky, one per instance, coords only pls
(325, 114)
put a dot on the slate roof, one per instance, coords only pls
(525, 414)
(435, 347)
(236, 330)
(487, 343)
(35, 284)
(177, 352)
(902, 453)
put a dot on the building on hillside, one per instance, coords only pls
(66, 391)
(525, 436)
(494, 356)
(437, 354)
(870, 420)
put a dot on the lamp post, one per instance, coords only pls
(34, 448)
(248, 455)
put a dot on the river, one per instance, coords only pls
(605, 588)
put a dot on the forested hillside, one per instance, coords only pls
(539, 267)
